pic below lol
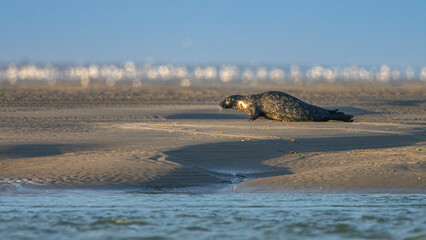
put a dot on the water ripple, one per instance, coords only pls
(106, 215)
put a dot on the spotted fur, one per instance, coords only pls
(282, 107)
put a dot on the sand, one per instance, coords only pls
(175, 139)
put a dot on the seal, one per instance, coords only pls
(281, 106)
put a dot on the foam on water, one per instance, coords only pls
(118, 215)
(20, 186)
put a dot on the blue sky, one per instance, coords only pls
(337, 32)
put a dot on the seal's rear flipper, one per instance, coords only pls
(333, 111)
(340, 116)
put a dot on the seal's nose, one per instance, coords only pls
(222, 104)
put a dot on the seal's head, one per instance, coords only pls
(230, 102)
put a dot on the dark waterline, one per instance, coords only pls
(118, 215)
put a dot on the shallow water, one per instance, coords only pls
(118, 215)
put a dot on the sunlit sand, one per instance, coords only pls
(167, 138)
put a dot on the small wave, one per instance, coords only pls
(119, 222)
(19, 186)
(196, 228)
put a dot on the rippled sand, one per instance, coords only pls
(164, 138)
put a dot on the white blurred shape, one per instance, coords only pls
(130, 68)
(423, 74)
(262, 73)
(247, 76)
(51, 74)
(131, 73)
(396, 75)
(198, 73)
(12, 74)
(330, 75)
(409, 73)
(112, 74)
(28, 72)
(165, 72)
(384, 74)
(315, 73)
(277, 74)
(181, 72)
(185, 83)
(295, 74)
(365, 75)
(227, 73)
(93, 71)
(151, 72)
(210, 72)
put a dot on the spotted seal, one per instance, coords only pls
(282, 107)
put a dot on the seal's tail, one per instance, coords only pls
(340, 116)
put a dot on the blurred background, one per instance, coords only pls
(190, 43)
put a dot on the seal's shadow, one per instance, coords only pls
(353, 110)
(206, 116)
(228, 114)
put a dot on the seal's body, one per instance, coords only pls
(282, 107)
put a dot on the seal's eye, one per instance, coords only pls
(227, 103)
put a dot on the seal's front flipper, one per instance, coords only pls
(254, 114)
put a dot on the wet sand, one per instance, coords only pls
(165, 138)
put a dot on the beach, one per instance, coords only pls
(176, 139)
